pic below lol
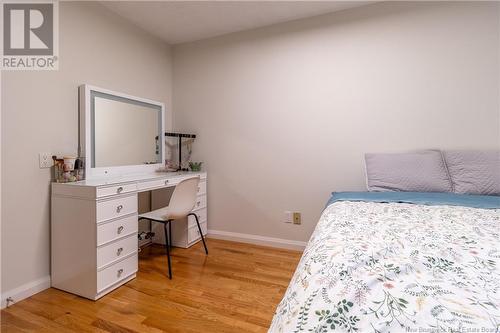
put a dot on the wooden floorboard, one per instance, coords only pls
(236, 288)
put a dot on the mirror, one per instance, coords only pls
(121, 131)
(125, 131)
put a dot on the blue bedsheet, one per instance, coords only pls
(422, 198)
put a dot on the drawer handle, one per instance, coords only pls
(119, 251)
(198, 203)
(120, 272)
(119, 208)
(166, 182)
(120, 229)
(119, 190)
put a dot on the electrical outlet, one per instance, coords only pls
(297, 219)
(45, 160)
(288, 216)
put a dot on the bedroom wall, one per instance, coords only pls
(40, 114)
(285, 113)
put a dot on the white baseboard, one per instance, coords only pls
(258, 240)
(34, 287)
(26, 290)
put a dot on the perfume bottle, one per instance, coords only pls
(80, 168)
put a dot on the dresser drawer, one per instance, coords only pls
(202, 217)
(202, 187)
(194, 233)
(113, 230)
(201, 202)
(119, 271)
(152, 184)
(114, 251)
(110, 209)
(113, 190)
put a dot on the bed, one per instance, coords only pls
(398, 262)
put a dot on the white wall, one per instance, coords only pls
(40, 114)
(284, 114)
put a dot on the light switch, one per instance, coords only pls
(45, 160)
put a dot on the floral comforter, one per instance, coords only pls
(396, 267)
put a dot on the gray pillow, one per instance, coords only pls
(422, 171)
(474, 172)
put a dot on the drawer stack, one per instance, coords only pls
(94, 240)
(116, 240)
(185, 232)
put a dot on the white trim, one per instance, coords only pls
(26, 290)
(256, 239)
(34, 287)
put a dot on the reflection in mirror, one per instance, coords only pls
(124, 131)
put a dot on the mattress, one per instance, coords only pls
(378, 264)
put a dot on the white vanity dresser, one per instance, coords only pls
(94, 224)
(94, 230)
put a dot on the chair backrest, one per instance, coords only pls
(184, 198)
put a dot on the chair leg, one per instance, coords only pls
(167, 246)
(170, 234)
(201, 232)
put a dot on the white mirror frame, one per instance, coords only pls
(85, 146)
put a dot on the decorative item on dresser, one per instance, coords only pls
(178, 159)
(94, 230)
(195, 166)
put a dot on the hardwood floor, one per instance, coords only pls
(235, 289)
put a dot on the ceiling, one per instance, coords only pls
(186, 21)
